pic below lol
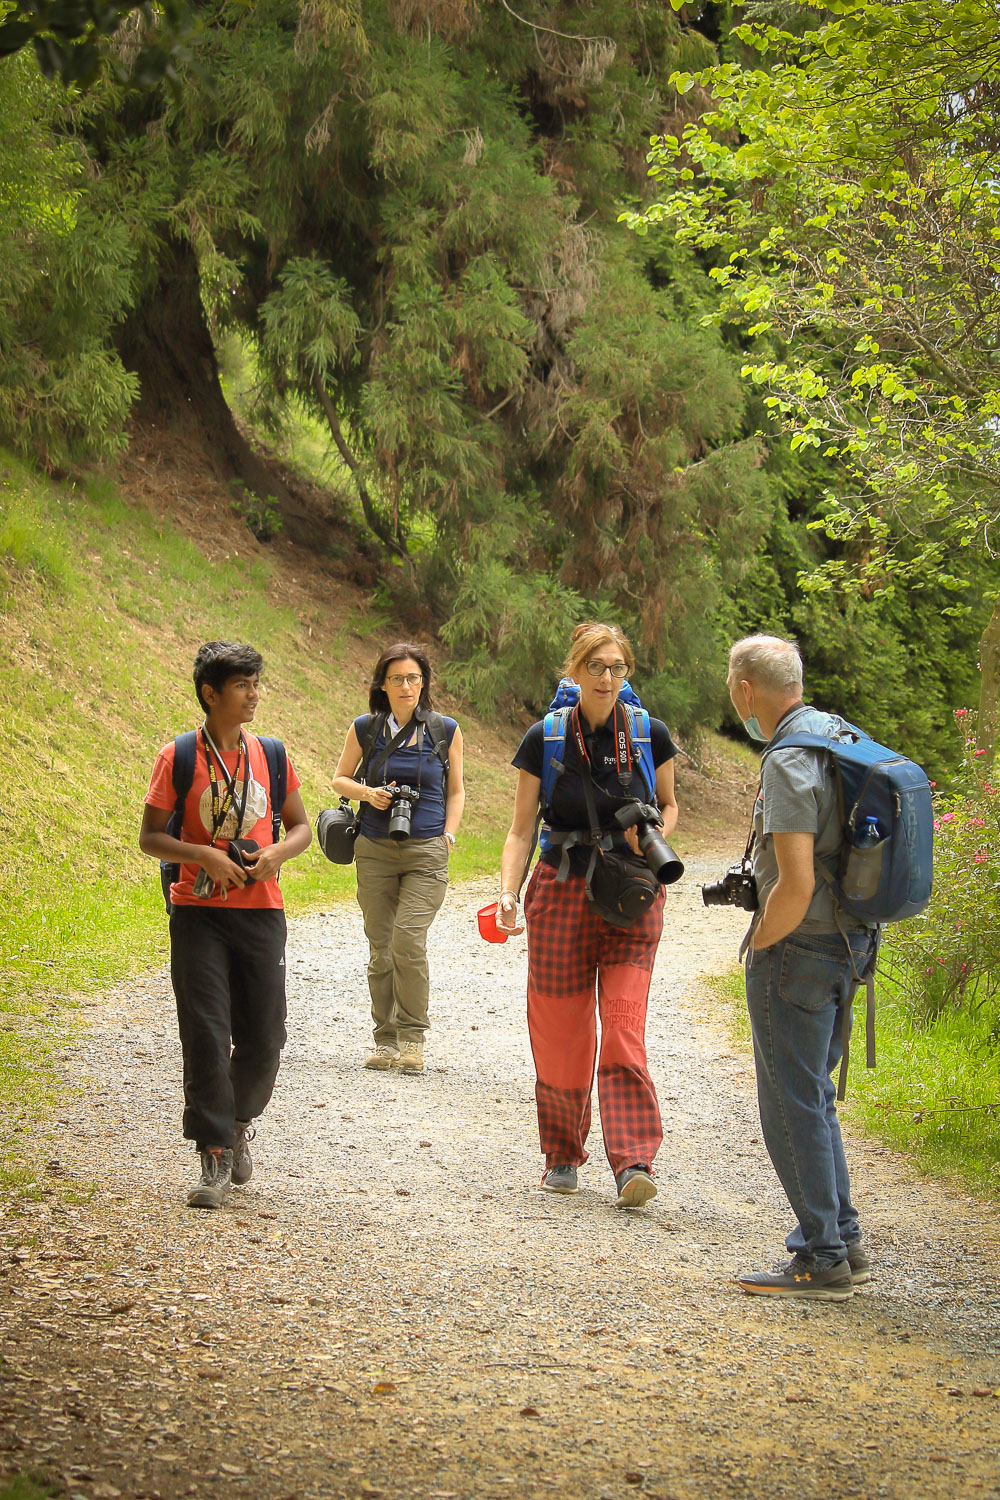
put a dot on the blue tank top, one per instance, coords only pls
(404, 767)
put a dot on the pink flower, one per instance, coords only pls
(937, 825)
(979, 752)
(980, 859)
(961, 713)
(947, 817)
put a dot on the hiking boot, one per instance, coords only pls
(242, 1160)
(560, 1179)
(635, 1187)
(411, 1058)
(802, 1278)
(861, 1266)
(382, 1058)
(216, 1179)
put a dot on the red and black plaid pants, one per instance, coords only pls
(573, 953)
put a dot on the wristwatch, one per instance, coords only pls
(450, 837)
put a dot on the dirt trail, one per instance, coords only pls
(393, 1308)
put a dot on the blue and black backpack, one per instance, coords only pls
(555, 725)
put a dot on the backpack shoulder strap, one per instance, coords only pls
(439, 741)
(374, 723)
(182, 775)
(553, 751)
(637, 720)
(277, 773)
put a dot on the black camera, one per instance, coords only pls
(401, 811)
(736, 888)
(657, 853)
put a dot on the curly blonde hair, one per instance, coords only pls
(590, 637)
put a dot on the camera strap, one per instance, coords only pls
(222, 802)
(623, 744)
(381, 761)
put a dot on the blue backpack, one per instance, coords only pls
(555, 724)
(886, 862)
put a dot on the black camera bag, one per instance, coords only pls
(620, 887)
(336, 829)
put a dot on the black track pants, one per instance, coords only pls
(228, 974)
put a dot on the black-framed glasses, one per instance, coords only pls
(412, 679)
(597, 668)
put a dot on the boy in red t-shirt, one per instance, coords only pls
(227, 924)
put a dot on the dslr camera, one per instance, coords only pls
(657, 853)
(736, 888)
(401, 811)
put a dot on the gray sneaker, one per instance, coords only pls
(802, 1278)
(861, 1266)
(635, 1187)
(560, 1179)
(216, 1179)
(242, 1160)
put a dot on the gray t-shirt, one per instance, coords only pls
(799, 795)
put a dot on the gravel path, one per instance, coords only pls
(392, 1307)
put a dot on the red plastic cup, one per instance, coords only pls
(488, 929)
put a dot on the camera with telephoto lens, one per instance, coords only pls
(736, 888)
(401, 811)
(657, 853)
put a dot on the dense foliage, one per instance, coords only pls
(408, 215)
(950, 957)
(846, 189)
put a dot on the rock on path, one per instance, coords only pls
(393, 1308)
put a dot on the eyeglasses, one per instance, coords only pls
(597, 668)
(412, 679)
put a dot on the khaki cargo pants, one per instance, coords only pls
(400, 890)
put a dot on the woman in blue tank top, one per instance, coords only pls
(403, 763)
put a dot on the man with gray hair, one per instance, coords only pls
(799, 975)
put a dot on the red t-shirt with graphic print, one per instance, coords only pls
(197, 825)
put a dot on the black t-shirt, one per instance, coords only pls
(568, 809)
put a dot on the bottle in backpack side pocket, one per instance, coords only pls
(863, 871)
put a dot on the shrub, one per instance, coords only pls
(950, 956)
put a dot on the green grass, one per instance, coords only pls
(935, 1090)
(103, 604)
(24, 1487)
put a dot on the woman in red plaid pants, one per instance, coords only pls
(578, 963)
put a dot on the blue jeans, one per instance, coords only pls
(796, 993)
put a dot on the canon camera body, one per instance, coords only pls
(738, 887)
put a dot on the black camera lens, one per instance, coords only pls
(401, 812)
(659, 856)
(738, 887)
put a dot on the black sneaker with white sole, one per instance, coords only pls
(861, 1266)
(803, 1278)
(560, 1179)
(216, 1178)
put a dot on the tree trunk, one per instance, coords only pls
(166, 342)
(989, 687)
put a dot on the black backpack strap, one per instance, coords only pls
(181, 776)
(439, 741)
(277, 773)
(185, 750)
(372, 728)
